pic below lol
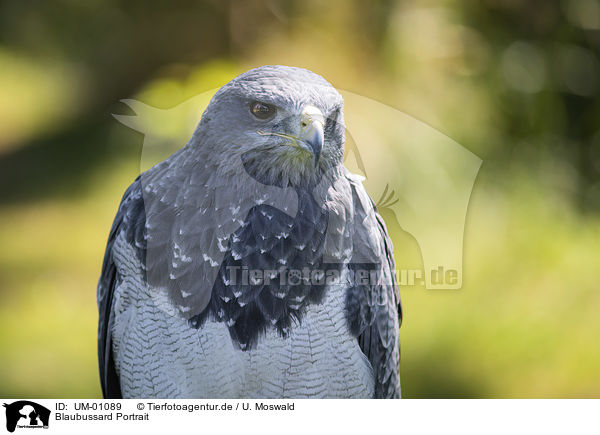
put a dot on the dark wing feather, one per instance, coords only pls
(131, 219)
(374, 310)
(388, 360)
(389, 253)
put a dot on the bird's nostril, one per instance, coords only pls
(304, 124)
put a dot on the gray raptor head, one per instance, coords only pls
(284, 123)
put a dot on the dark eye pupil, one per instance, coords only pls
(262, 110)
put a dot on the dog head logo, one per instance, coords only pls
(26, 414)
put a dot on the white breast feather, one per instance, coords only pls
(157, 354)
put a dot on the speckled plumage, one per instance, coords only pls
(171, 322)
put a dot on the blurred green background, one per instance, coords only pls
(514, 81)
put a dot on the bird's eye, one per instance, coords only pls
(262, 110)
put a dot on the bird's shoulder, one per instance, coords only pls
(373, 307)
(128, 225)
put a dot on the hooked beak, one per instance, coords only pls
(312, 136)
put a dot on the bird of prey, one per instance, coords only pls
(251, 263)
